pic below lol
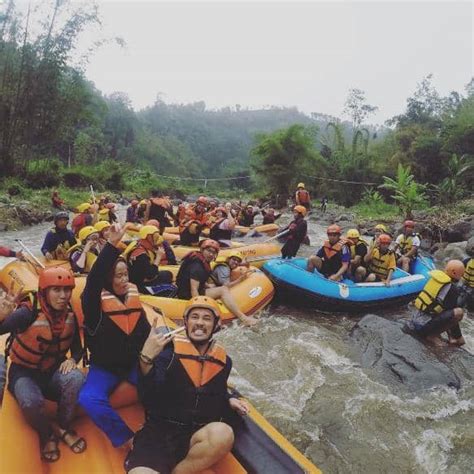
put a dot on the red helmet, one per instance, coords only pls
(409, 224)
(209, 243)
(334, 229)
(202, 200)
(55, 276)
(153, 222)
(385, 239)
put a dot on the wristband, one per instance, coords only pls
(145, 359)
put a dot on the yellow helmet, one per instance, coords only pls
(300, 185)
(147, 230)
(143, 202)
(202, 302)
(86, 231)
(83, 207)
(101, 225)
(300, 209)
(381, 227)
(353, 234)
(235, 254)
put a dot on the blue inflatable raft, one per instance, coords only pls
(294, 283)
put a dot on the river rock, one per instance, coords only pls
(402, 360)
(3, 227)
(460, 231)
(456, 250)
(470, 246)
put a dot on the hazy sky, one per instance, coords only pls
(284, 53)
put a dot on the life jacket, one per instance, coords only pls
(185, 263)
(427, 300)
(380, 263)
(187, 237)
(61, 249)
(125, 315)
(104, 215)
(268, 219)
(331, 251)
(90, 258)
(468, 276)
(303, 196)
(353, 247)
(78, 222)
(406, 243)
(181, 214)
(219, 262)
(159, 207)
(220, 234)
(195, 392)
(36, 347)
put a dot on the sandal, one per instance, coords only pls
(50, 455)
(78, 446)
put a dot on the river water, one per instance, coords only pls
(298, 369)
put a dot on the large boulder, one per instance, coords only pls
(403, 361)
(456, 250)
(460, 231)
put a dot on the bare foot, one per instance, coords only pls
(436, 340)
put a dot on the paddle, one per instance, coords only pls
(28, 251)
(281, 234)
(92, 194)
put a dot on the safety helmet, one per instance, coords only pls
(101, 225)
(381, 227)
(134, 202)
(85, 206)
(333, 229)
(202, 200)
(203, 302)
(300, 185)
(385, 239)
(300, 209)
(249, 206)
(55, 276)
(409, 224)
(147, 230)
(61, 215)
(143, 202)
(86, 232)
(455, 269)
(235, 254)
(353, 234)
(206, 243)
(153, 222)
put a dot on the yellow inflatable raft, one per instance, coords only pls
(258, 447)
(268, 229)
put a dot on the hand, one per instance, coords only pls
(49, 256)
(20, 255)
(334, 278)
(9, 301)
(386, 282)
(67, 366)
(88, 245)
(116, 232)
(160, 253)
(248, 321)
(240, 406)
(155, 342)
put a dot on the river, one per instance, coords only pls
(298, 369)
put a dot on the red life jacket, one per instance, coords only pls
(78, 222)
(303, 196)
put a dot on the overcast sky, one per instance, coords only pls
(284, 53)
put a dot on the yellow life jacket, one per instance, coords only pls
(380, 263)
(352, 247)
(104, 215)
(62, 249)
(406, 243)
(468, 276)
(131, 247)
(90, 258)
(427, 300)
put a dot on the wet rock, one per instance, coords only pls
(470, 246)
(456, 250)
(403, 361)
(3, 227)
(460, 231)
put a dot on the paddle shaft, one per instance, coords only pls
(28, 251)
(281, 234)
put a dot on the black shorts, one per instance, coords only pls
(159, 446)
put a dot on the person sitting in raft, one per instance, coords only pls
(269, 216)
(56, 201)
(297, 230)
(185, 429)
(302, 197)
(437, 306)
(230, 271)
(200, 211)
(195, 271)
(42, 333)
(247, 216)
(159, 207)
(132, 212)
(190, 229)
(380, 229)
(168, 257)
(407, 245)
(87, 216)
(141, 211)
(224, 224)
(358, 249)
(143, 260)
(107, 212)
(83, 255)
(6, 252)
(115, 328)
(380, 260)
(333, 258)
(59, 239)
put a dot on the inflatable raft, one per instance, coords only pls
(268, 229)
(258, 446)
(293, 281)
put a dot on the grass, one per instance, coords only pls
(380, 211)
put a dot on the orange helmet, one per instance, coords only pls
(55, 276)
(203, 302)
(209, 243)
(153, 222)
(202, 200)
(455, 269)
(300, 209)
(409, 224)
(385, 239)
(333, 229)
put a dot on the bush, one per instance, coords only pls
(43, 173)
(13, 186)
(76, 178)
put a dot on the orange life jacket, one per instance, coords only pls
(161, 202)
(331, 250)
(303, 196)
(38, 348)
(125, 315)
